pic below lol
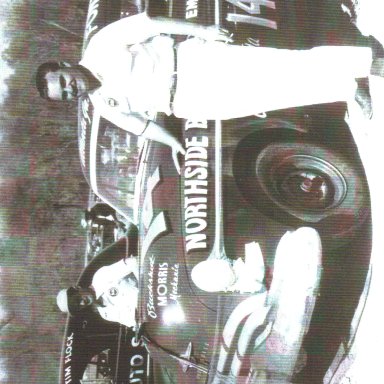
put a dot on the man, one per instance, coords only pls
(131, 71)
(114, 293)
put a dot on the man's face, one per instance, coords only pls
(67, 83)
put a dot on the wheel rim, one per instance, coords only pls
(308, 183)
(302, 182)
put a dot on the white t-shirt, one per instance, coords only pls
(116, 287)
(136, 77)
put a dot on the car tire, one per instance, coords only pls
(297, 180)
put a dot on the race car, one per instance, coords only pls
(245, 186)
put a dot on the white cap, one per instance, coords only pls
(62, 301)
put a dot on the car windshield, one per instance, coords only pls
(115, 156)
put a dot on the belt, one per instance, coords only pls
(174, 78)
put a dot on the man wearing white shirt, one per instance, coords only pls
(114, 293)
(131, 71)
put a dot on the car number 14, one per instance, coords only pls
(252, 8)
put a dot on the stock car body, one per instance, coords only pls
(242, 181)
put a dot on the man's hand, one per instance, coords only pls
(176, 150)
(214, 33)
(156, 132)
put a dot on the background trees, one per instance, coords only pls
(42, 191)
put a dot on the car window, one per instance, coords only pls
(117, 158)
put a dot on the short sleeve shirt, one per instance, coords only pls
(136, 79)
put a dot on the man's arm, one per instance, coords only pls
(138, 28)
(156, 132)
(118, 314)
(138, 125)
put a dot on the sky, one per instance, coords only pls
(5, 70)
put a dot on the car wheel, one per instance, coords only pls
(298, 181)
